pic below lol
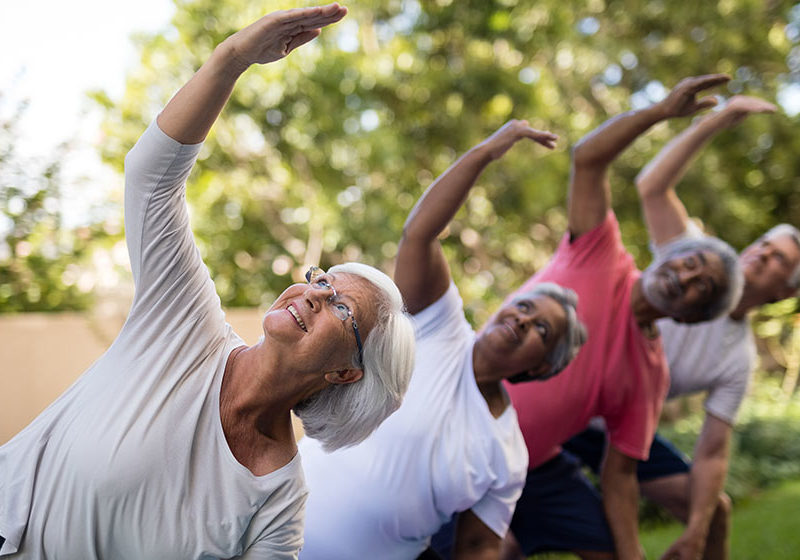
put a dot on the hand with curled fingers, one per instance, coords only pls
(512, 132)
(682, 101)
(277, 34)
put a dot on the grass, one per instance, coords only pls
(765, 527)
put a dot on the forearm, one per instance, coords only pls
(190, 114)
(601, 146)
(621, 505)
(437, 206)
(669, 166)
(706, 483)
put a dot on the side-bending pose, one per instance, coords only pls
(717, 357)
(178, 442)
(455, 444)
(621, 374)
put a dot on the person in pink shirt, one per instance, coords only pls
(620, 374)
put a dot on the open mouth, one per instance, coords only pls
(297, 317)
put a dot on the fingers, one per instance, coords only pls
(545, 138)
(311, 18)
(706, 103)
(700, 83)
(301, 39)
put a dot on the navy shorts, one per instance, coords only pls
(665, 459)
(560, 510)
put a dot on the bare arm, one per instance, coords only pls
(664, 212)
(706, 482)
(621, 502)
(190, 114)
(421, 272)
(474, 540)
(589, 190)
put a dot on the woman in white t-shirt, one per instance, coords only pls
(178, 441)
(454, 446)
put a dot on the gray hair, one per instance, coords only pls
(343, 415)
(794, 234)
(575, 333)
(727, 299)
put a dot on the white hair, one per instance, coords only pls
(794, 234)
(342, 415)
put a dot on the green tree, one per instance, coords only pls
(43, 265)
(320, 157)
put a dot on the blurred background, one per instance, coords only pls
(317, 159)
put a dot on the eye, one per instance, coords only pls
(689, 262)
(322, 283)
(523, 305)
(543, 329)
(340, 310)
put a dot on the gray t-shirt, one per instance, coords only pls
(131, 461)
(716, 356)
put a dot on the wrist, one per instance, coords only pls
(482, 153)
(230, 60)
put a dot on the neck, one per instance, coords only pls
(259, 398)
(643, 311)
(488, 379)
(746, 303)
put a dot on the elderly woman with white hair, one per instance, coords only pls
(178, 441)
(454, 445)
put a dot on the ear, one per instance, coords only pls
(344, 376)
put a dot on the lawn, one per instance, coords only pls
(765, 527)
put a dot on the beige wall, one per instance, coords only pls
(41, 354)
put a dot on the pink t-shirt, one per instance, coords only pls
(619, 374)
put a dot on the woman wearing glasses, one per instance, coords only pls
(454, 445)
(178, 441)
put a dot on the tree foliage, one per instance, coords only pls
(44, 266)
(321, 156)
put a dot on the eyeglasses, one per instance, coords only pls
(339, 309)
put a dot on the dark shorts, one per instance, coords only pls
(560, 510)
(665, 459)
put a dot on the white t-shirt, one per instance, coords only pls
(131, 461)
(442, 452)
(716, 356)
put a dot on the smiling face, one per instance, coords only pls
(685, 284)
(522, 333)
(768, 265)
(305, 322)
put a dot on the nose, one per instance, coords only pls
(316, 297)
(688, 275)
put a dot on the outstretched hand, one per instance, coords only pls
(682, 101)
(277, 34)
(513, 131)
(685, 548)
(740, 106)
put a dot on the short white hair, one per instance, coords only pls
(794, 234)
(343, 415)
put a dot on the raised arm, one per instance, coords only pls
(421, 272)
(664, 212)
(589, 190)
(189, 115)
